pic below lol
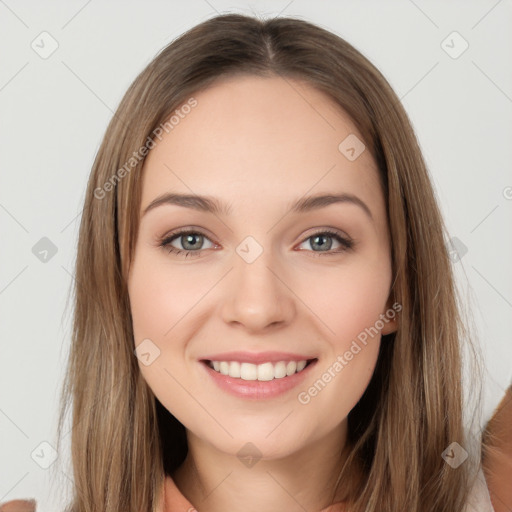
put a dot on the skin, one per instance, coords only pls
(258, 144)
(275, 132)
(269, 128)
(18, 506)
(497, 462)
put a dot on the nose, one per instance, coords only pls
(257, 296)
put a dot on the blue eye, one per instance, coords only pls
(191, 242)
(188, 239)
(318, 240)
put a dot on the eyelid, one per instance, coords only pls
(174, 235)
(188, 229)
(327, 229)
(347, 242)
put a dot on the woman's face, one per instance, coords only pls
(256, 275)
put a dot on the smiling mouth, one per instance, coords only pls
(259, 372)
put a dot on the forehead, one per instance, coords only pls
(251, 138)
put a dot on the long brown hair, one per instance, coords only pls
(123, 441)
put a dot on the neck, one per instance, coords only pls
(215, 481)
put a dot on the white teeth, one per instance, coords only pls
(291, 368)
(280, 370)
(249, 371)
(234, 369)
(261, 372)
(301, 365)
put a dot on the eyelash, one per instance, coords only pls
(347, 244)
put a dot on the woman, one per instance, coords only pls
(342, 386)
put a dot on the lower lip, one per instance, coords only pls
(256, 389)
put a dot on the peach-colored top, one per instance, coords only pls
(174, 501)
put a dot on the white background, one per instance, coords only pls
(54, 113)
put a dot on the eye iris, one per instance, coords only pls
(190, 237)
(321, 245)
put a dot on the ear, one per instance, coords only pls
(390, 316)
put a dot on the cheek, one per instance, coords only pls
(159, 298)
(160, 295)
(349, 303)
(349, 300)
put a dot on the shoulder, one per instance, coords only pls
(18, 506)
(497, 454)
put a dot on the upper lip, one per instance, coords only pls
(257, 358)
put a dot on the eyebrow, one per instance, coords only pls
(212, 205)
